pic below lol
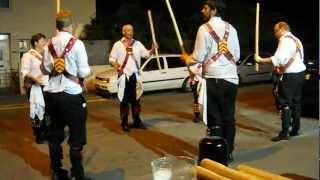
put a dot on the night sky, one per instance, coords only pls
(302, 16)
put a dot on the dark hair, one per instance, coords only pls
(35, 38)
(219, 5)
(63, 19)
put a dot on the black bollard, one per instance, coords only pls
(214, 147)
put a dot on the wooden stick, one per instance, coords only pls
(58, 6)
(175, 25)
(260, 173)
(225, 171)
(257, 34)
(153, 36)
(203, 173)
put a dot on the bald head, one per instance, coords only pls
(127, 31)
(282, 25)
(280, 29)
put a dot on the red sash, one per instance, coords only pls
(281, 69)
(129, 52)
(66, 50)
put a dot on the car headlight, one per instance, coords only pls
(105, 80)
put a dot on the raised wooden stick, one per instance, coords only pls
(175, 25)
(257, 34)
(58, 6)
(153, 36)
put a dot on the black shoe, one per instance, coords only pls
(125, 127)
(60, 174)
(293, 133)
(281, 136)
(139, 125)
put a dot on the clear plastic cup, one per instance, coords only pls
(173, 168)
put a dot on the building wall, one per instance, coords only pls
(27, 17)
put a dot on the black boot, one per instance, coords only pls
(137, 122)
(124, 112)
(60, 174)
(135, 110)
(294, 132)
(283, 135)
(77, 170)
(124, 122)
(55, 153)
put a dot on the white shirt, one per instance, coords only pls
(206, 47)
(118, 54)
(76, 63)
(287, 49)
(30, 63)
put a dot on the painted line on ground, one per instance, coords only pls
(25, 105)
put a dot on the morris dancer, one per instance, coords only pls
(66, 61)
(125, 56)
(34, 80)
(288, 60)
(216, 52)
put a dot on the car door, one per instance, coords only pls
(249, 74)
(153, 74)
(176, 71)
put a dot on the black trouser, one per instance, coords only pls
(196, 108)
(275, 89)
(221, 96)
(130, 97)
(290, 95)
(67, 110)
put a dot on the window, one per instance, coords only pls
(4, 4)
(175, 62)
(152, 65)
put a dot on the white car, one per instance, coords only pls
(247, 71)
(168, 73)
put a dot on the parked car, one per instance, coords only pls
(167, 73)
(310, 92)
(247, 72)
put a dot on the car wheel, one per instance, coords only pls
(186, 85)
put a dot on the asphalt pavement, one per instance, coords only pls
(114, 155)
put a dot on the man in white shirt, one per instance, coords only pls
(288, 60)
(125, 56)
(66, 60)
(34, 80)
(216, 52)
